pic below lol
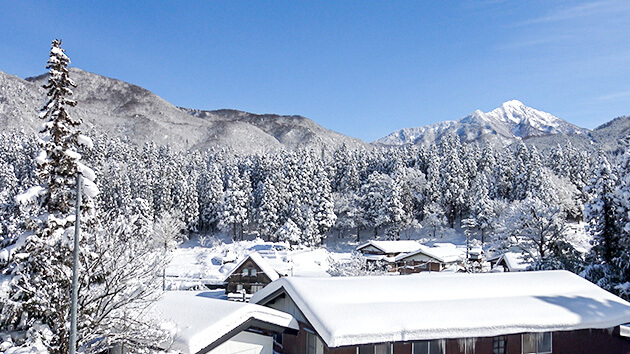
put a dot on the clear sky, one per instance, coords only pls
(362, 68)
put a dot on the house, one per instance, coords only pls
(434, 259)
(386, 250)
(512, 262)
(200, 324)
(249, 276)
(540, 312)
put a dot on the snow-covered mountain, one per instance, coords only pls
(138, 115)
(502, 125)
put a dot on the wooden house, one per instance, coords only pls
(509, 313)
(388, 248)
(432, 259)
(249, 276)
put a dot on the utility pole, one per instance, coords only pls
(75, 269)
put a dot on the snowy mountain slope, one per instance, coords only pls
(609, 135)
(289, 131)
(502, 125)
(134, 113)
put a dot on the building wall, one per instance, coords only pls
(246, 343)
(236, 278)
(567, 342)
(410, 267)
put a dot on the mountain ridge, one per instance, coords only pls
(129, 111)
(137, 115)
(503, 125)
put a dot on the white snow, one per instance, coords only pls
(86, 171)
(262, 263)
(358, 310)
(193, 266)
(198, 321)
(41, 158)
(89, 188)
(29, 196)
(514, 261)
(392, 246)
(85, 141)
(443, 252)
(72, 154)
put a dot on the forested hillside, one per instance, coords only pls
(515, 197)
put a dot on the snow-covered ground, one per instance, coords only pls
(202, 262)
(206, 260)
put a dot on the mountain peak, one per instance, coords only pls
(504, 124)
(513, 103)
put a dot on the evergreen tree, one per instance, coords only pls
(234, 207)
(600, 213)
(40, 292)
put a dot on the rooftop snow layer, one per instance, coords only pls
(392, 246)
(444, 254)
(514, 261)
(262, 263)
(359, 310)
(200, 321)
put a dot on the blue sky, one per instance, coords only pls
(362, 68)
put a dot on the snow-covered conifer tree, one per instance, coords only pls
(323, 204)
(289, 232)
(210, 194)
(434, 218)
(600, 213)
(233, 212)
(40, 289)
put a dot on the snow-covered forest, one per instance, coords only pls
(516, 197)
(140, 201)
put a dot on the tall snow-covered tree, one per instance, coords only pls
(268, 213)
(40, 290)
(481, 206)
(323, 204)
(600, 213)
(210, 194)
(453, 180)
(234, 208)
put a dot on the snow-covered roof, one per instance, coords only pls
(442, 253)
(359, 310)
(199, 321)
(261, 262)
(514, 261)
(392, 246)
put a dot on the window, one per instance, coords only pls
(239, 287)
(499, 345)
(245, 272)
(384, 348)
(253, 272)
(277, 338)
(314, 345)
(536, 343)
(256, 288)
(428, 347)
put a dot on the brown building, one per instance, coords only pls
(432, 259)
(525, 312)
(250, 275)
